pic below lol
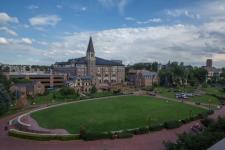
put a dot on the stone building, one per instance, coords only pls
(23, 90)
(80, 84)
(49, 80)
(102, 72)
(142, 78)
(29, 89)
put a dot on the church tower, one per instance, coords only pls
(91, 60)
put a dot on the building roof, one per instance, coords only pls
(90, 46)
(82, 78)
(29, 86)
(144, 72)
(99, 61)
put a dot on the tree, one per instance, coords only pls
(27, 68)
(175, 74)
(6, 83)
(93, 89)
(67, 91)
(5, 100)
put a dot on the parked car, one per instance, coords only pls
(152, 94)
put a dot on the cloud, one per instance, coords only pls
(32, 7)
(154, 20)
(26, 41)
(79, 8)
(120, 4)
(84, 8)
(8, 31)
(3, 41)
(130, 19)
(48, 20)
(182, 12)
(5, 18)
(179, 42)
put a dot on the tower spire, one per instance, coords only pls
(90, 46)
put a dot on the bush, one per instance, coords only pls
(156, 127)
(67, 91)
(89, 136)
(207, 121)
(202, 115)
(172, 124)
(141, 130)
(124, 134)
(41, 137)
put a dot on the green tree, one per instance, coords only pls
(67, 91)
(93, 89)
(5, 100)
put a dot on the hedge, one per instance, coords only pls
(172, 124)
(41, 137)
(95, 136)
(156, 127)
(125, 134)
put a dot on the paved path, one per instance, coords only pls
(151, 141)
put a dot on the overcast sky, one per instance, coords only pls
(46, 31)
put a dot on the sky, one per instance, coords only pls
(45, 31)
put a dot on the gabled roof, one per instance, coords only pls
(29, 86)
(101, 61)
(87, 77)
(143, 72)
(90, 46)
(81, 60)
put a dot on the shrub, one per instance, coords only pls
(143, 130)
(207, 121)
(124, 134)
(172, 124)
(67, 91)
(156, 127)
(202, 115)
(41, 137)
(95, 136)
(140, 130)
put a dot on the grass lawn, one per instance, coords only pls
(210, 96)
(101, 94)
(169, 92)
(207, 99)
(114, 113)
(49, 98)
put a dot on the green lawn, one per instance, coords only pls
(207, 99)
(170, 92)
(114, 113)
(49, 98)
(210, 97)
